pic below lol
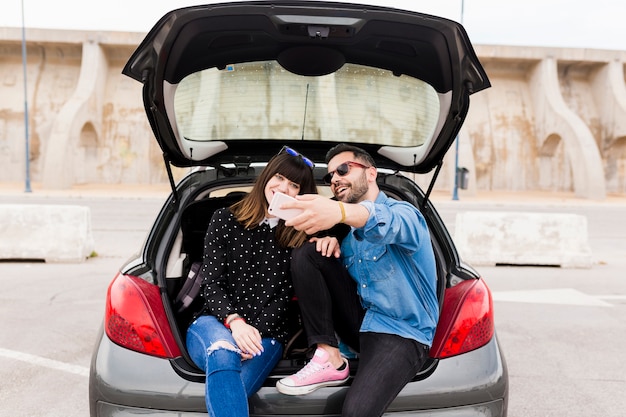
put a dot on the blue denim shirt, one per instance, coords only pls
(391, 259)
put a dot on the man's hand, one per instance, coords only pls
(319, 213)
(327, 246)
(322, 213)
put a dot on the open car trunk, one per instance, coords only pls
(241, 79)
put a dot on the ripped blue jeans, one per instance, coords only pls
(229, 380)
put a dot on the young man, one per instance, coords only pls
(377, 291)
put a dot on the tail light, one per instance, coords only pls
(466, 320)
(135, 318)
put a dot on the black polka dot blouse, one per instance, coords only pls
(245, 271)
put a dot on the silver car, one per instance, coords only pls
(225, 87)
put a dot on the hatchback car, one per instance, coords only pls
(225, 87)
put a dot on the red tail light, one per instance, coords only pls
(466, 321)
(135, 318)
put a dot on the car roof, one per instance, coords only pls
(309, 40)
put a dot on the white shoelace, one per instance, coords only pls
(309, 369)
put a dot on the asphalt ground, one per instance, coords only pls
(563, 331)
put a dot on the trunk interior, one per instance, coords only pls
(186, 247)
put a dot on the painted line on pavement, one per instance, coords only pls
(560, 296)
(45, 362)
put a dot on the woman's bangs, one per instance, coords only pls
(295, 170)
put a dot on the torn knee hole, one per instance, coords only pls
(222, 344)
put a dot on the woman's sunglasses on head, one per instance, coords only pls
(343, 170)
(293, 152)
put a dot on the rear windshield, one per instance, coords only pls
(262, 100)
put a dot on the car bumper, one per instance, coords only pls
(126, 383)
(495, 408)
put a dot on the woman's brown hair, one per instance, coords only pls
(252, 209)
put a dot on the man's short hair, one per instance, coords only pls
(358, 153)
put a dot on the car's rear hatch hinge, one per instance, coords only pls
(170, 177)
(431, 185)
(146, 92)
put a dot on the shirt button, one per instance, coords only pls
(364, 285)
(374, 258)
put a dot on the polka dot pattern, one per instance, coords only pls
(245, 271)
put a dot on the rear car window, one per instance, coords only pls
(262, 100)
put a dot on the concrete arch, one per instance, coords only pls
(610, 98)
(618, 147)
(550, 146)
(616, 164)
(85, 167)
(553, 117)
(83, 108)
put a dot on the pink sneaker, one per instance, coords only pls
(316, 374)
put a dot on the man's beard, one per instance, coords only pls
(357, 190)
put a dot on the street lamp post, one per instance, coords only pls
(27, 179)
(455, 192)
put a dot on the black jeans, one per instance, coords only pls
(327, 298)
(329, 304)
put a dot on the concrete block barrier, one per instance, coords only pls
(54, 233)
(521, 238)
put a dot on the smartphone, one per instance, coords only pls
(278, 200)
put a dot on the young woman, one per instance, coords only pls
(239, 336)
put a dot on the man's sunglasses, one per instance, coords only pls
(293, 152)
(342, 170)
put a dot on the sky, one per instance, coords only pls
(596, 24)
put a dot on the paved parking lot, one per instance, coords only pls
(563, 330)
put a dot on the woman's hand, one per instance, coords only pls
(327, 246)
(248, 339)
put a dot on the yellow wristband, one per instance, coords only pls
(343, 212)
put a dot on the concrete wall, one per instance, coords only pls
(554, 120)
(86, 120)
